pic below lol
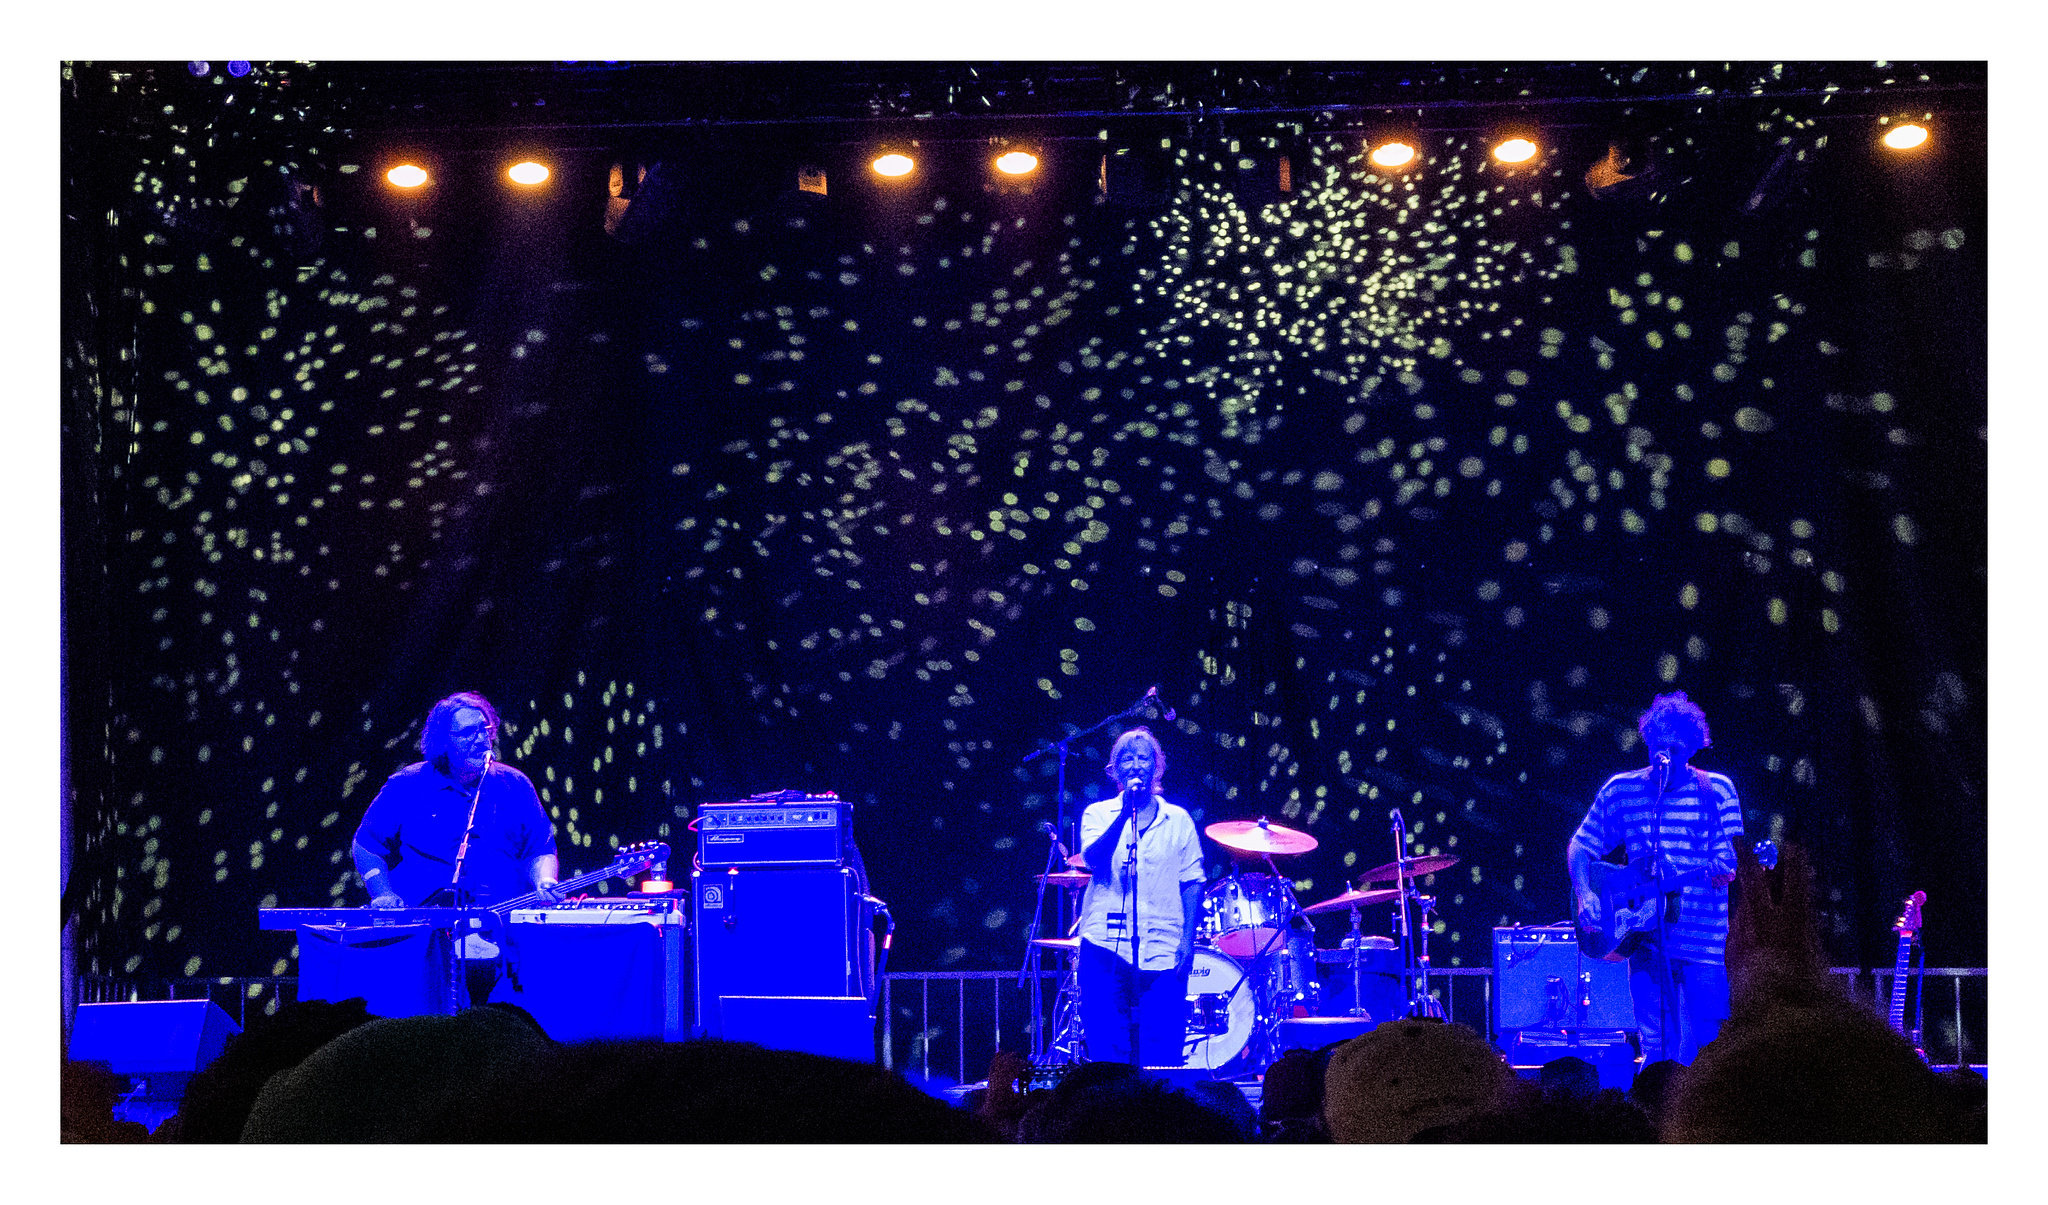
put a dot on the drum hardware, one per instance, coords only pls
(1071, 945)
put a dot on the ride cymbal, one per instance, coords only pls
(1414, 868)
(1354, 899)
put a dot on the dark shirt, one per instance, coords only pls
(415, 825)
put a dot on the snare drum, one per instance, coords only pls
(1222, 1011)
(1243, 913)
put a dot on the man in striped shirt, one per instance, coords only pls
(1687, 820)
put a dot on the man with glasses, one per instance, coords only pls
(410, 848)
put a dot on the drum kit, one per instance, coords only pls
(1255, 976)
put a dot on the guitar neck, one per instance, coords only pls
(565, 887)
(1900, 967)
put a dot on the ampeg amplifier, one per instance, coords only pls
(784, 829)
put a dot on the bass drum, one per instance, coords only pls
(1222, 1012)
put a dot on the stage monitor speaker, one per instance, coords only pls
(1541, 981)
(759, 932)
(1609, 1051)
(145, 1036)
(158, 1045)
(398, 970)
(840, 1026)
(1314, 1033)
(600, 972)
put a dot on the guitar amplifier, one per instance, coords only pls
(1542, 981)
(602, 969)
(786, 829)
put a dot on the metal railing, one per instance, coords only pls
(235, 994)
(977, 1012)
(972, 1020)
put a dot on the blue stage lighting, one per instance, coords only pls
(199, 66)
(238, 67)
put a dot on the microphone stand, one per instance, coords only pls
(1664, 1002)
(456, 894)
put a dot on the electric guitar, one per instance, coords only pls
(1908, 926)
(1629, 898)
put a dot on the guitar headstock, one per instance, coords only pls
(638, 855)
(1908, 924)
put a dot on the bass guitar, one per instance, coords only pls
(629, 860)
(1629, 897)
(1908, 927)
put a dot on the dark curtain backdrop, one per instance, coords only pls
(1407, 489)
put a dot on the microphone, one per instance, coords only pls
(1153, 695)
(1663, 759)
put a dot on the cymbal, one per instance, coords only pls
(1259, 837)
(1415, 868)
(1354, 899)
(1067, 878)
(1366, 946)
(1077, 860)
(1070, 944)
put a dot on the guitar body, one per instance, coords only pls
(1629, 898)
(1628, 909)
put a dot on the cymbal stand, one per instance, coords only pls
(1356, 942)
(1065, 1048)
(1031, 972)
(1414, 955)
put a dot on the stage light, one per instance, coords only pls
(527, 172)
(406, 175)
(1016, 163)
(1392, 154)
(238, 67)
(893, 164)
(1515, 150)
(1905, 137)
(199, 66)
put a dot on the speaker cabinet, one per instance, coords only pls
(797, 933)
(600, 972)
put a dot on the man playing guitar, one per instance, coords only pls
(1678, 827)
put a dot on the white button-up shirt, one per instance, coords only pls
(1169, 855)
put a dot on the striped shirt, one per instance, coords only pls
(1701, 817)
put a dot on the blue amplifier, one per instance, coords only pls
(783, 829)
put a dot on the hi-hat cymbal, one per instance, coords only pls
(1414, 868)
(1066, 878)
(1077, 860)
(1353, 899)
(1259, 837)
